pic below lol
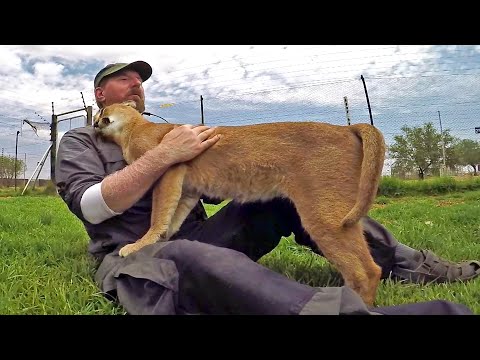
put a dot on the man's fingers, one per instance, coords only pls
(206, 134)
(210, 142)
(200, 128)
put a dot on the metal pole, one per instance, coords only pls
(345, 100)
(2, 170)
(89, 115)
(443, 141)
(84, 105)
(53, 151)
(201, 107)
(69, 112)
(368, 101)
(16, 150)
(39, 165)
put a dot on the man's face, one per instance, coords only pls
(122, 86)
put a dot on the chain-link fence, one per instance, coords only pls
(35, 135)
(449, 102)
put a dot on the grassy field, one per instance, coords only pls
(45, 268)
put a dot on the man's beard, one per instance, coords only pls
(140, 105)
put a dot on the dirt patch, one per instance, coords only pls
(379, 206)
(445, 203)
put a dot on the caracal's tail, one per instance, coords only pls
(372, 165)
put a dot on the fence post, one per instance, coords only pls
(345, 101)
(53, 139)
(89, 115)
(368, 101)
(201, 108)
(444, 167)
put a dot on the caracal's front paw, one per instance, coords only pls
(165, 236)
(127, 250)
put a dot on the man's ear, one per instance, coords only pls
(130, 103)
(99, 94)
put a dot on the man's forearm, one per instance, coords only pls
(124, 188)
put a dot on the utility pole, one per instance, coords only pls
(16, 151)
(89, 110)
(368, 100)
(345, 101)
(53, 139)
(201, 108)
(443, 141)
(2, 170)
(89, 115)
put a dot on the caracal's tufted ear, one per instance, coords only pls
(130, 103)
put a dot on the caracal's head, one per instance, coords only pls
(111, 120)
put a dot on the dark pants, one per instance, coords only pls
(256, 229)
(190, 276)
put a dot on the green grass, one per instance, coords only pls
(390, 186)
(446, 224)
(46, 268)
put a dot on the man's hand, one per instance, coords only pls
(181, 144)
(185, 142)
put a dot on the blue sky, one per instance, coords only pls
(407, 85)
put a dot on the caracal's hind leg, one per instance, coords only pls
(346, 248)
(165, 198)
(185, 205)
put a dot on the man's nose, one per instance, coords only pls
(136, 82)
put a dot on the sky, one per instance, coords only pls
(244, 84)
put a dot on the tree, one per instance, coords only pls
(468, 153)
(420, 149)
(7, 167)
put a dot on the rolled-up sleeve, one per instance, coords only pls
(94, 208)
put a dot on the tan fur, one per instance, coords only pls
(330, 172)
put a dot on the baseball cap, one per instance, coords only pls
(144, 70)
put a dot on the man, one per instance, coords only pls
(209, 267)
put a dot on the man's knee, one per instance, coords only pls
(180, 248)
(432, 307)
(191, 251)
(445, 307)
(381, 243)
